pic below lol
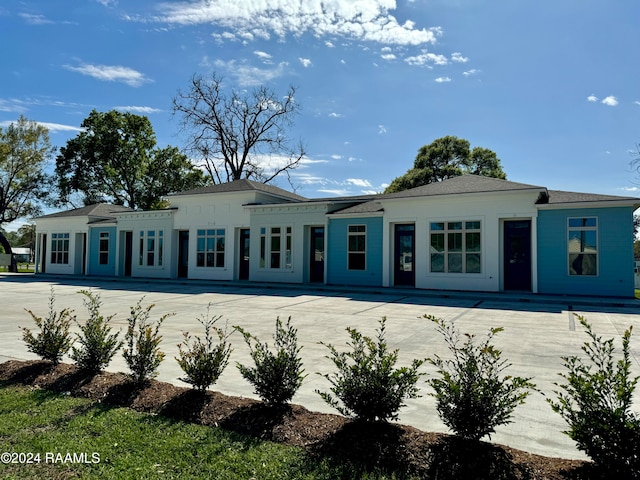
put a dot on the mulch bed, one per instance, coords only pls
(388, 446)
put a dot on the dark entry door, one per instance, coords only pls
(517, 255)
(404, 265)
(128, 253)
(183, 253)
(43, 255)
(316, 267)
(243, 273)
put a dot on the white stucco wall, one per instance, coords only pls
(155, 220)
(75, 227)
(492, 209)
(300, 218)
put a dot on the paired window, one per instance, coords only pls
(455, 247)
(276, 247)
(210, 248)
(104, 248)
(583, 246)
(151, 248)
(357, 247)
(60, 248)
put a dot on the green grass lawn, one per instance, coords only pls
(119, 443)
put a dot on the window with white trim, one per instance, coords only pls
(60, 248)
(583, 246)
(357, 247)
(104, 248)
(455, 247)
(276, 248)
(210, 248)
(151, 248)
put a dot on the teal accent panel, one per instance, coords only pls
(95, 268)
(337, 266)
(615, 253)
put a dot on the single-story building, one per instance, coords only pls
(465, 233)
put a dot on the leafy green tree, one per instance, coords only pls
(25, 149)
(445, 158)
(115, 159)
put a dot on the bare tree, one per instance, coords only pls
(239, 134)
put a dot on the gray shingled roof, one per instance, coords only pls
(102, 210)
(243, 185)
(559, 196)
(361, 208)
(463, 184)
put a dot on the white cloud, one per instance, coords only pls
(473, 71)
(108, 3)
(57, 127)
(610, 101)
(336, 157)
(53, 127)
(335, 115)
(12, 105)
(359, 182)
(247, 75)
(630, 189)
(637, 102)
(365, 20)
(138, 109)
(338, 192)
(388, 56)
(426, 58)
(111, 73)
(329, 44)
(442, 80)
(592, 98)
(458, 58)
(305, 62)
(262, 55)
(382, 129)
(35, 19)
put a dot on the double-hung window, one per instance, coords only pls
(60, 248)
(276, 247)
(583, 246)
(357, 247)
(455, 247)
(210, 248)
(151, 248)
(104, 248)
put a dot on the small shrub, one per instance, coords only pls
(596, 401)
(204, 361)
(98, 344)
(366, 385)
(472, 396)
(54, 339)
(142, 340)
(278, 375)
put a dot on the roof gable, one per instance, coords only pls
(463, 184)
(99, 210)
(243, 185)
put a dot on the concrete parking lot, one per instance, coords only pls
(539, 330)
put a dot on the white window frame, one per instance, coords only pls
(60, 248)
(214, 234)
(582, 228)
(157, 252)
(356, 233)
(464, 230)
(103, 253)
(283, 251)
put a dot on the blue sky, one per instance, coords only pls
(553, 87)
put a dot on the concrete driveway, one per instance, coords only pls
(538, 331)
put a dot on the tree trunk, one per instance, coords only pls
(7, 248)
